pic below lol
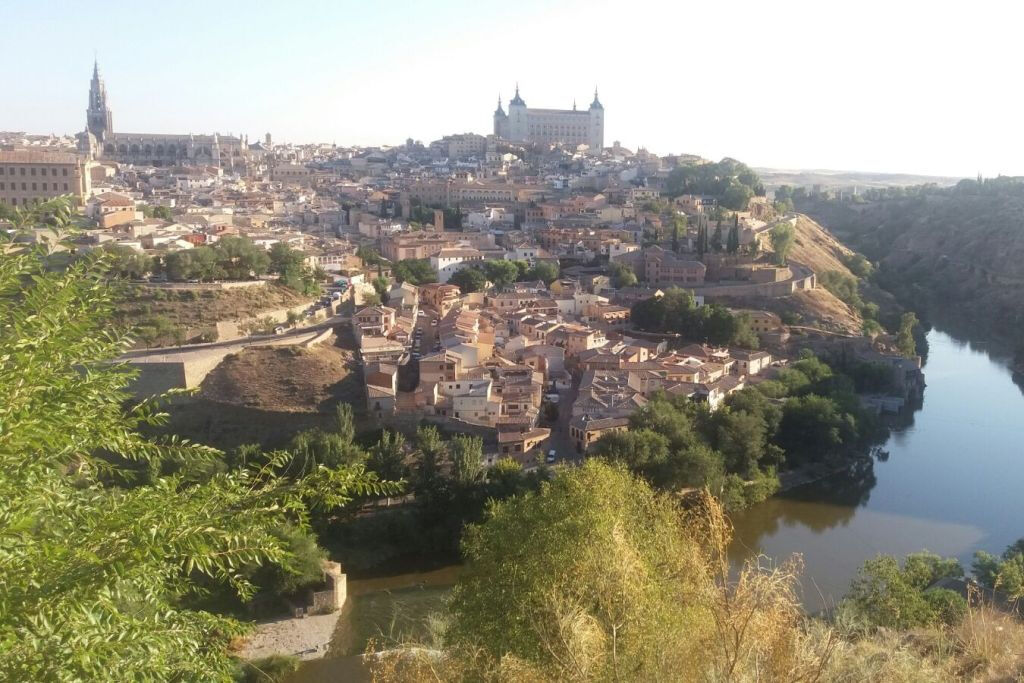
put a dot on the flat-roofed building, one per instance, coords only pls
(32, 177)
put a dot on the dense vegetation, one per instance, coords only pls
(107, 536)
(230, 258)
(809, 415)
(734, 183)
(676, 312)
(957, 251)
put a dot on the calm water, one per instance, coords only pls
(953, 483)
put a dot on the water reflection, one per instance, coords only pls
(951, 483)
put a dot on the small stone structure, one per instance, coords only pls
(308, 634)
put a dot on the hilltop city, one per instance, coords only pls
(558, 393)
(532, 286)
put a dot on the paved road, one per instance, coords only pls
(560, 440)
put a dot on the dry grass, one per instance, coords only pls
(199, 309)
(286, 379)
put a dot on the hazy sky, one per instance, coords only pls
(904, 86)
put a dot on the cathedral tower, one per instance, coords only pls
(99, 121)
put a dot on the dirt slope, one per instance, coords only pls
(286, 379)
(818, 248)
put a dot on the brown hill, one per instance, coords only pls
(818, 248)
(286, 379)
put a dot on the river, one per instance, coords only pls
(951, 484)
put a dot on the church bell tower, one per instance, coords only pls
(99, 121)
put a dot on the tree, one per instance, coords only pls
(128, 263)
(369, 255)
(467, 456)
(732, 244)
(737, 196)
(614, 560)
(284, 259)
(430, 456)
(469, 280)
(716, 238)
(543, 270)
(884, 594)
(387, 456)
(501, 272)
(95, 573)
(415, 271)
(622, 275)
(1005, 573)
(239, 258)
(813, 428)
(905, 336)
(612, 583)
(381, 286)
(782, 236)
(161, 212)
(678, 230)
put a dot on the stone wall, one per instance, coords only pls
(206, 286)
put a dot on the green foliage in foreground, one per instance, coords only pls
(95, 574)
(1004, 573)
(594, 549)
(886, 594)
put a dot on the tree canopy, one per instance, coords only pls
(97, 563)
(469, 280)
(415, 271)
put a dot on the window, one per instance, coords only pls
(24, 186)
(1, 186)
(33, 187)
(65, 172)
(22, 170)
(32, 171)
(65, 187)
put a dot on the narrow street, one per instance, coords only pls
(560, 440)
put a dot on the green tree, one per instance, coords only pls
(905, 336)
(95, 574)
(387, 456)
(414, 271)
(737, 196)
(467, 456)
(501, 272)
(1005, 573)
(716, 238)
(128, 263)
(369, 255)
(469, 280)
(732, 244)
(813, 428)
(782, 235)
(613, 566)
(543, 270)
(239, 258)
(622, 275)
(884, 594)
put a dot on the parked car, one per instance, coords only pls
(551, 457)
(552, 398)
(279, 329)
(417, 355)
(433, 322)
